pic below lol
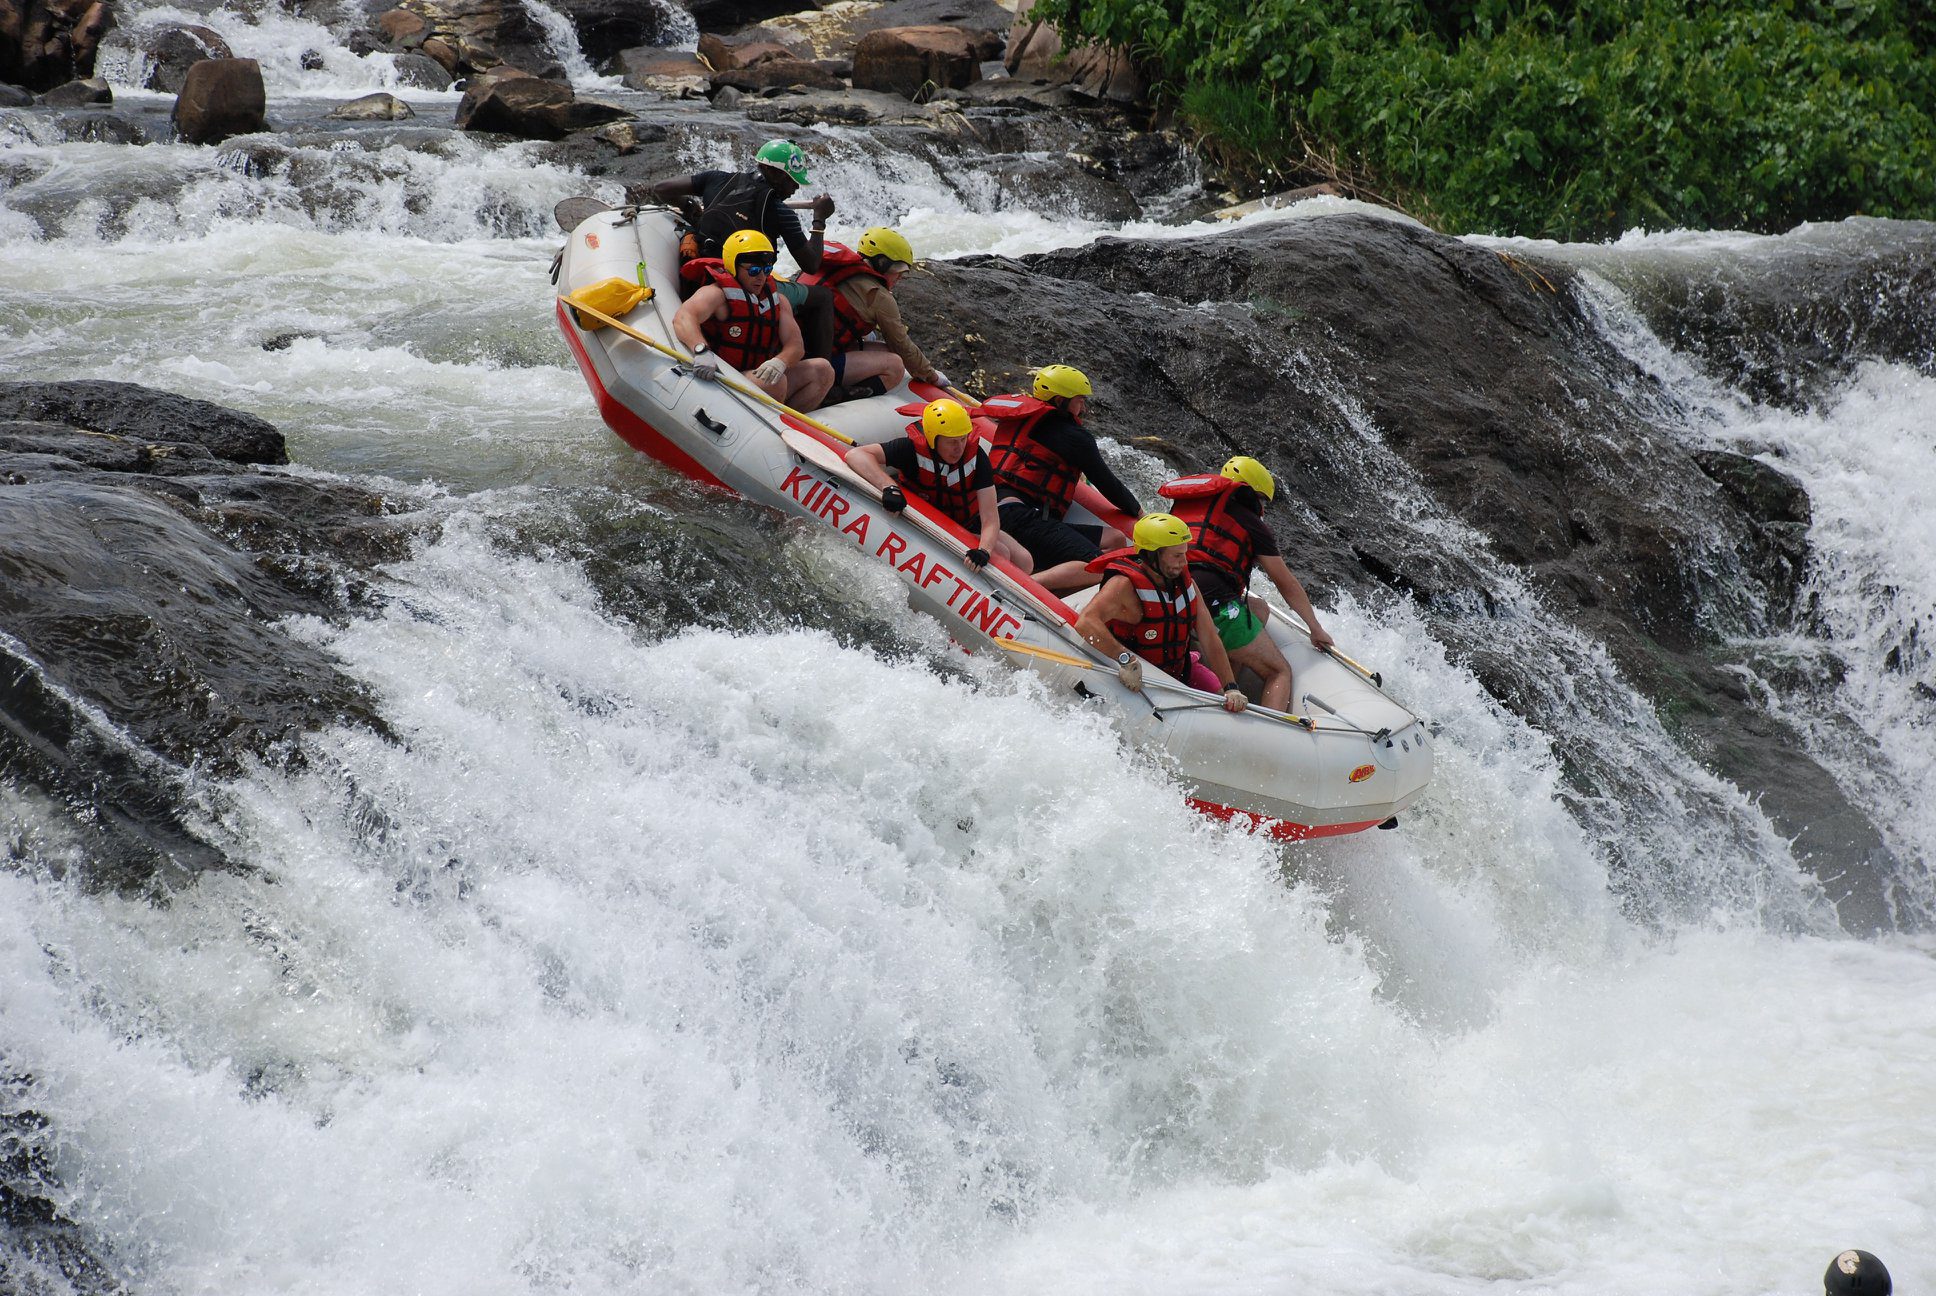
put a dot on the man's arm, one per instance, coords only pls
(1293, 591)
(1077, 446)
(991, 517)
(1115, 601)
(792, 349)
(806, 248)
(700, 307)
(870, 462)
(885, 313)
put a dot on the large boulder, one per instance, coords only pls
(913, 61)
(1035, 53)
(422, 72)
(12, 96)
(220, 98)
(484, 33)
(530, 107)
(46, 43)
(730, 15)
(744, 49)
(124, 410)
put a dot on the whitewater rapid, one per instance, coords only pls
(760, 951)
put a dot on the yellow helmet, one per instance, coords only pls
(884, 242)
(1242, 468)
(1060, 380)
(945, 418)
(1160, 531)
(740, 245)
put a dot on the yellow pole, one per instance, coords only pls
(683, 358)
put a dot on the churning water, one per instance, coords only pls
(659, 958)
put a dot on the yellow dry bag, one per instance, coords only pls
(615, 297)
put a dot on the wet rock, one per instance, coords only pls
(78, 94)
(444, 54)
(1035, 53)
(676, 73)
(606, 27)
(403, 28)
(486, 33)
(530, 108)
(727, 15)
(100, 128)
(46, 43)
(913, 60)
(37, 1239)
(12, 96)
(630, 136)
(421, 72)
(778, 73)
(177, 49)
(1480, 381)
(311, 60)
(835, 31)
(220, 98)
(724, 53)
(841, 107)
(372, 107)
(143, 414)
(727, 99)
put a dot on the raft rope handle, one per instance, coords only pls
(570, 299)
(1383, 735)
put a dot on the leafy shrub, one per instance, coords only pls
(1567, 118)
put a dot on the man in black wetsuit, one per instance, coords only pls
(718, 204)
(1042, 452)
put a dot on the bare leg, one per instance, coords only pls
(862, 365)
(1112, 539)
(1264, 656)
(807, 384)
(1018, 557)
(1068, 577)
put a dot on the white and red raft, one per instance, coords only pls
(1350, 759)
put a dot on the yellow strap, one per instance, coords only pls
(683, 358)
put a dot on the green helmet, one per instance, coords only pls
(784, 155)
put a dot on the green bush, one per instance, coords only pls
(1568, 118)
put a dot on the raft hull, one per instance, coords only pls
(1343, 773)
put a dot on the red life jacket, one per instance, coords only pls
(1162, 637)
(749, 336)
(838, 264)
(950, 487)
(1024, 467)
(1221, 542)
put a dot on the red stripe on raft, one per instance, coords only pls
(622, 419)
(1281, 829)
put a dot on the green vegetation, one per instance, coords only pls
(1568, 118)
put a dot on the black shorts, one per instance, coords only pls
(839, 361)
(1048, 541)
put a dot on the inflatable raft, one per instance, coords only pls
(1349, 758)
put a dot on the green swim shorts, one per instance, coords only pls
(1237, 625)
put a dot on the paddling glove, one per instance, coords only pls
(978, 558)
(892, 499)
(1129, 670)
(705, 367)
(772, 371)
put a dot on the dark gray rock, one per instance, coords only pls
(78, 94)
(100, 128)
(143, 414)
(729, 15)
(606, 27)
(422, 72)
(12, 96)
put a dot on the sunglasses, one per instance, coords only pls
(757, 267)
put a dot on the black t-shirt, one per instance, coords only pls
(1217, 588)
(777, 221)
(900, 457)
(1059, 432)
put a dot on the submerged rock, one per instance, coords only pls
(134, 413)
(380, 106)
(144, 582)
(79, 94)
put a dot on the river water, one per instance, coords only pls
(765, 947)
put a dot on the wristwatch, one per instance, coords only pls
(1122, 659)
(702, 348)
